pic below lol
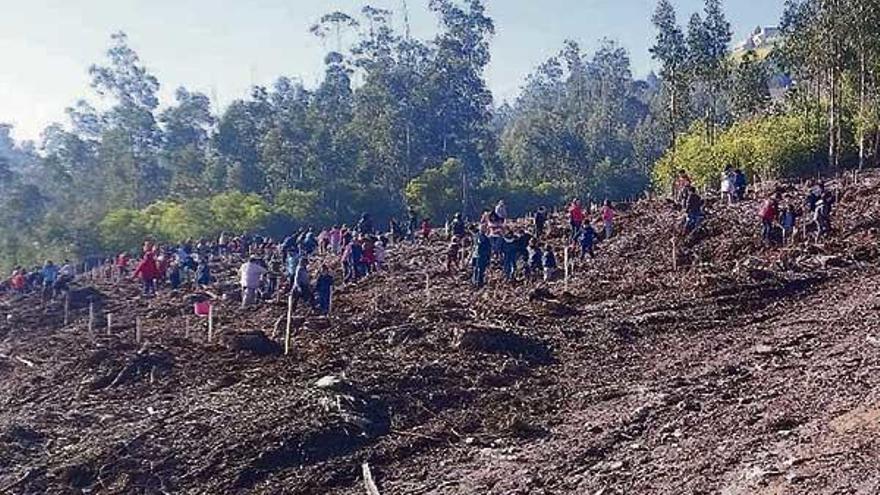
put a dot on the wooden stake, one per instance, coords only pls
(66, 308)
(210, 323)
(91, 316)
(674, 256)
(137, 329)
(566, 268)
(289, 320)
(109, 323)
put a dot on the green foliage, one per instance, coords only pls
(172, 222)
(123, 229)
(300, 207)
(765, 148)
(522, 198)
(238, 212)
(396, 120)
(437, 192)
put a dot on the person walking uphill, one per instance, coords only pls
(302, 283)
(324, 289)
(250, 273)
(148, 271)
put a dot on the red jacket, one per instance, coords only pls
(576, 213)
(768, 211)
(147, 268)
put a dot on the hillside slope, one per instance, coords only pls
(747, 370)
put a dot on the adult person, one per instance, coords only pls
(324, 289)
(510, 254)
(575, 218)
(822, 214)
(457, 227)
(50, 275)
(501, 210)
(540, 221)
(681, 185)
(608, 218)
(740, 183)
(250, 274)
(203, 273)
(148, 271)
(693, 207)
(302, 283)
(365, 225)
(480, 258)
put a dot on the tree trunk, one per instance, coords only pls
(861, 87)
(832, 107)
(672, 114)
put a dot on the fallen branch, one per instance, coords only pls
(24, 479)
(24, 361)
(369, 484)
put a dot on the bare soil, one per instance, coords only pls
(747, 370)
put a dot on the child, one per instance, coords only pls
(789, 219)
(768, 214)
(587, 240)
(203, 273)
(510, 252)
(174, 277)
(453, 255)
(549, 263)
(536, 257)
(426, 229)
(324, 288)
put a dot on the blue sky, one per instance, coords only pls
(223, 47)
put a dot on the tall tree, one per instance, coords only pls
(751, 87)
(672, 53)
(130, 123)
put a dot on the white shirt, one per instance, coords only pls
(66, 271)
(250, 275)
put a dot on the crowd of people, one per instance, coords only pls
(50, 280)
(778, 221)
(273, 268)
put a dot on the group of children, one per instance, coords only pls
(517, 251)
(817, 207)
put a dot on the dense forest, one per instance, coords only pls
(398, 121)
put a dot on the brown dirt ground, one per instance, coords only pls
(748, 370)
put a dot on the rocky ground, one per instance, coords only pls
(744, 370)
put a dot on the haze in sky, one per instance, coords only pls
(223, 47)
